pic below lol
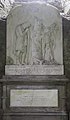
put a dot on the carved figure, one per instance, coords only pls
(35, 44)
(22, 34)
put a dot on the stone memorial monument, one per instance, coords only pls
(34, 40)
(34, 85)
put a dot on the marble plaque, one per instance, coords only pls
(34, 36)
(34, 98)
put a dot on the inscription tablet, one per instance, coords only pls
(34, 98)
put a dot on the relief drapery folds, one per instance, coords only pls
(35, 44)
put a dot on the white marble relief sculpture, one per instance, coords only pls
(40, 39)
(34, 38)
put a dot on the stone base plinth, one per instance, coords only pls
(34, 70)
(23, 85)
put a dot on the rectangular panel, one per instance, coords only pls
(34, 98)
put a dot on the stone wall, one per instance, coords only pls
(66, 40)
(2, 46)
(2, 56)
